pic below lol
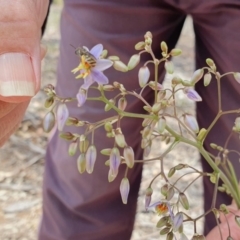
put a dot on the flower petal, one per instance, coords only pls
(97, 50)
(62, 116)
(81, 97)
(193, 95)
(99, 77)
(103, 64)
(88, 81)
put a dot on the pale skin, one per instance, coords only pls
(20, 32)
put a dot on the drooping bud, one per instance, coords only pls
(140, 46)
(170, 236)
(183, 200)
(236, 75)
(106, 151)
(169, 67)
(81, 97)
(72, 149)
(108, 87)
(67, 136)
(197, 75)
(119, 138)
(211, 64)
(161, 124)
(124, 189)
(128, 154)
(177, 221)
(191, 122)
(164, 47)
(148, 197)
(91, 156)
(170, 193)
(207, 79)
(165, 230)
(143, 76)
(115, 161)
(192, 94)
(81, 163)
(147, 108)
(122, 103)
(120, 66)
(108, 127)
(156, 107)
(108, 106)
(49, 102)
(162, 222)
(171, 172)
(175, 52)
(48, 122)
(62, 116)
(155, 86)
(71, 121)
(164, 190)
(83, 146)
(134, 61)
(111, 176)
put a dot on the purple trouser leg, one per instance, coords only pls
(87, 207)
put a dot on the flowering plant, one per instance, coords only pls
(172, 207)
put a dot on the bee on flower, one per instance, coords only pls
(90, 69)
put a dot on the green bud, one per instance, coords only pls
(175, 52)
(113, 58)
(164, 190)
(146, 121)
(106, 151)
(108, 127)
(108, 87)
(147, 131)
(81, 163)
(224, 208)
(108, 106)
(164, 47)
(134, 61)
(236, 75)
(186, 83)
(122, 103)
(169, 67)
(213, 145)
(184, 201)
(72, 149)
(119, 138)
(107, 163)
(170, 193)
(221, 189)
(83, 145)
(147, 108)
(170, 236)
(128, 154)
(156, 107)
(171, 172)
(211, 64)
(197, 75)
(162, 222)
(176, 80)
(120, 66)
(161, 124)
(104, 53)
(180, 166)
(207, 79)
(165, 231)
(202, 134)
(140, 46)
(71, 121)
(143, 76)
(49, 102)
(67, 136)
(237, 124)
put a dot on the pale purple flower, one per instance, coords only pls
(62, 115)
(81, 96)
(124, 189)
(91, 156)
(115, 161)
(192, 94)
(93, 72)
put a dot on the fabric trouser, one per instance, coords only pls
(88, 207)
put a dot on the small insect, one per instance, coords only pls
(89, 58)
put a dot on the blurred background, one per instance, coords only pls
(22, 157)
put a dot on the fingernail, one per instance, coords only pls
(16, 75)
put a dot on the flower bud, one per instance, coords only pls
(165, 230)
(134, 61)
(119, 138)
(108, 106)
(175, 52)
(177, 221)
(124, 189)
(207, 79)
(163, 222)
(62, 116)
(48, 122)
(170, 193)
(211, 64)
(122, 103)
(236, 75)
(49, 102)
(67, 136)
(237, 123)
(81, 97)
(120, 66)
(128, 154)
(197, 75)
(170, 236)
(176, 80)
(72, 149)
(169, 67)
(106, 151)
(104, 53)
(155, 86)
(115, 161)
(161, 124)
(140, 46)
(202, 134)
(180, 166)
(113, 58)
(184, 201)
(71, 121)
(164, 47)
(164, 190)
(148, 197)
(83, 146)
(147, 131)
(111, 176)
(171, 172)
(108, 127)
(91, 156)
(81, 163)
(147, 108)
(156, 107)
(224, 208)
(191, 122)
(192, 94)
(108, 87)
(143, 76)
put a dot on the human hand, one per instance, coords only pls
(20, 59)
(226, 222)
